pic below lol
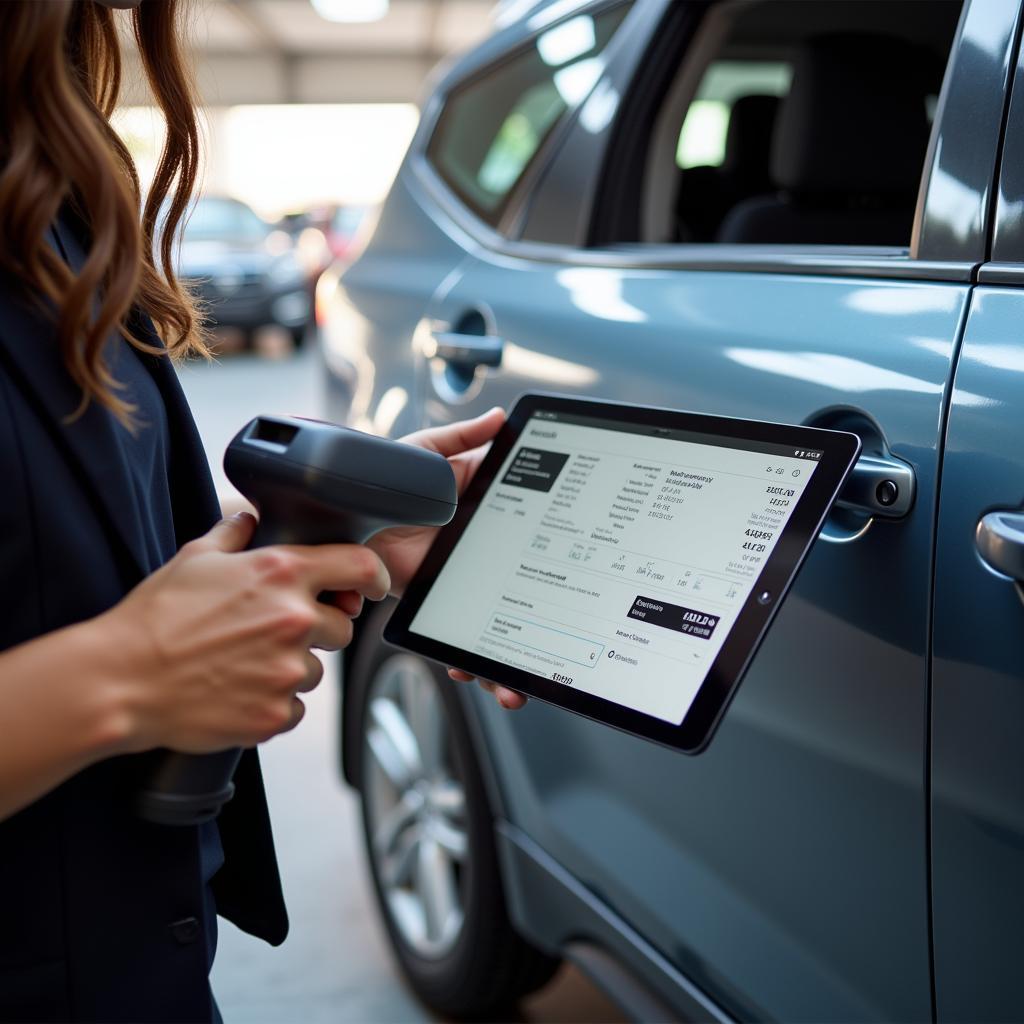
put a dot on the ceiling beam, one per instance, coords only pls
(234, 79)
(430, 40)
(416, 55)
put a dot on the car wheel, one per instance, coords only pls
(298, 336)
(431, 847)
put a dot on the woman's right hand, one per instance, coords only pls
(212, 649)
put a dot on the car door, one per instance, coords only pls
(785, 871)
(978, 675)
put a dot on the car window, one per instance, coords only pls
(787, 122)
(702, 137)
(493, 126)
(223, 218)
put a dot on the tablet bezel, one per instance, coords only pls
(723, 678)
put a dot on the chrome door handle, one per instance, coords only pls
(879, 485)
(467, 349)
(1000, 540)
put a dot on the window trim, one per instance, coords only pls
(816, 261)
(1006, 249)
(1001, 273)
(954, 151)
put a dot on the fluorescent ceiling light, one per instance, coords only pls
(567, 41)
(351, 10)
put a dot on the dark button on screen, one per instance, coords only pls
(673, 616)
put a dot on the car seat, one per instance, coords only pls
(847, 150)
(706, 194)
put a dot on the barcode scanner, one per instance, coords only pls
(312, 483)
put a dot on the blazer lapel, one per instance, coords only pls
(193, 495)
(30, 351)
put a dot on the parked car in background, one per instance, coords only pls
(246, 274)
(342, 230)
(326, 238)
(780, 210)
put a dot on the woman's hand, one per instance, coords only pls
(209, 652)
(464, 445)
(215, 647)
(402, 548)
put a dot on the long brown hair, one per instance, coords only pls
(60, 76)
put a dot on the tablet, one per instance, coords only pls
(621, 562)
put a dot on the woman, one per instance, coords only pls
(130, 621)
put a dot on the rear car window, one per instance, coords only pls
(493, 125)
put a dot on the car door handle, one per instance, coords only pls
(467, 349)
(879, 485)
(1000, 540)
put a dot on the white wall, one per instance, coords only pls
(280, 158)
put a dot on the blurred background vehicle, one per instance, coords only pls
(343, 230)
(326, 235)
(246, 273)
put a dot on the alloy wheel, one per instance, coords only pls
(415, 806)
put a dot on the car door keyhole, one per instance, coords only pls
(880, 485)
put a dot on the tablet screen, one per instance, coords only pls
(614, 557)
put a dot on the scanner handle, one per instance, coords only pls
(313, 483)
(179, 793)
(190, 789)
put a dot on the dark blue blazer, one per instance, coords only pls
(95, 905)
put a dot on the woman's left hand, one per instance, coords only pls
(402, 548)
(463, 444)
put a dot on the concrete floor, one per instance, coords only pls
(335, 965)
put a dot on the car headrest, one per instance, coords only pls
(854, 119)
(748, 140)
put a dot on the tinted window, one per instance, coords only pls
(702, 138)
(494, 125)
(786, 122)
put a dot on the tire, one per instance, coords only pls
(434, 862)
(298, 336)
